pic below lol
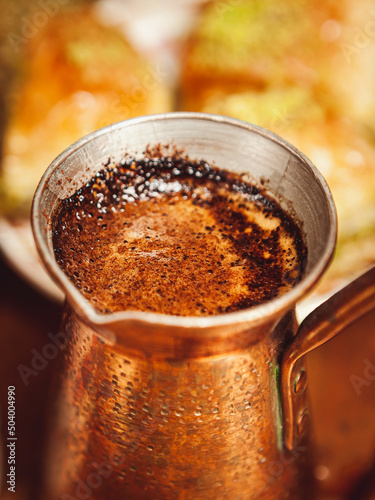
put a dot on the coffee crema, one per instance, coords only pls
(176, 236)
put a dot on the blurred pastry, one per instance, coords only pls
(284, 66)
(74, 75)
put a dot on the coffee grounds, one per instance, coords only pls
(175, 236)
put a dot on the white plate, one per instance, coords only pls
(17, 246)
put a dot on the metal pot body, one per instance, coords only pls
(126, 425)
(150, 406)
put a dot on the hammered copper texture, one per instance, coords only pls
(130, 427)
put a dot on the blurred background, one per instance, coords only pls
(304, 69)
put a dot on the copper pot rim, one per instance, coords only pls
(252, 316)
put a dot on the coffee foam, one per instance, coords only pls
(174, 236)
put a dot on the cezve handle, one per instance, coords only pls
(324, 323)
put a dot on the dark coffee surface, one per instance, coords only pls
(174, 236)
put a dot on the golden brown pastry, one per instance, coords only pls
(74, 75)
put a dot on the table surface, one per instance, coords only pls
(343, 421)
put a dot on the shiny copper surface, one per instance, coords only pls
(329, 319)
(130, 426)
(195, 427)
(153, 406)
